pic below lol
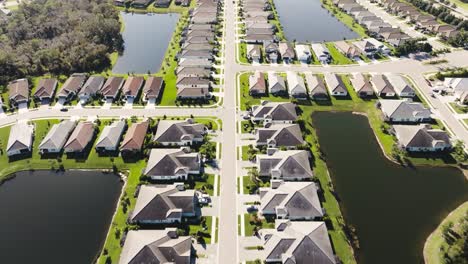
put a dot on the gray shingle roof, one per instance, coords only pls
(58, 135)
(303, 242)
(420, 136)
(155, 201)
(277, 111)
(290, 164)
(298, 199)
(173, 131)
(111, 135)
(156, 246)
(288, 135)
(403, 109)
(168, 162)
(20, 138)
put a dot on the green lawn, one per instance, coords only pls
(246, 126)
(338, 58)
(459, 109)
(247, 100)
(436, 241)
(344, 18)
(193, 229)
(206, 185)
(247, 183)
(249, 227)
(460, 4)
(243, 53)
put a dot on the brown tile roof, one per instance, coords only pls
(152, 88)
(18, 90)
(45, 88)
(135, 137)
(132, 86)
(73, 84)
(112, 86)
(80, 137)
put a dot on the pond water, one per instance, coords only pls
(393, 208)
(307, 20)
(147, 38)
(53, 218)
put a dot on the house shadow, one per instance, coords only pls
(442, 155)
(19, 157)
(323, 102)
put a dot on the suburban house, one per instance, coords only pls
(45, 90)
(193, 93)
(382, 86)
(296, 85)
(110, 89)
(271, 49)
(156, 246)
(289, 165)
(140, 3)
(404, 111)
(72, 86)
(303, 53)
(361, 85)
(192, 82)
(257, 84)
(349, 50)
(18, 92)
(91, 88)
(254, 54)
(191, 72)
(380, 47)
(57, 136)
(80, 138)
(317, 89)
(297, 242)
(445, 31)
(172, 164)
(335, 85)
(132, 87)
(322, 53)
(286, 51)
(456, 83)
(365, 47)
(274, 112)
(20, 139)
(179, 133)
(162, 3)
(459, 87)
(291, 200)
(163, 204)
(152, 89)
(276, 84)
(110, 137)
(134, 138)
(279, 135)
(422, 138)
(401, 86)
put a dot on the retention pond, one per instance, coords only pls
(53, 218)
(307, 20)
(147, 38)
(393, 208)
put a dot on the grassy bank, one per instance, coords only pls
(344, 18)
(436, 244)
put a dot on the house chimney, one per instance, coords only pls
(276, 183)
(179, 186)
(271, 151)
(172, 233)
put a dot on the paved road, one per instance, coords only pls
(227, 245)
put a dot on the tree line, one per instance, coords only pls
(58, 37)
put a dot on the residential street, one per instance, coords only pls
(228, 112)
